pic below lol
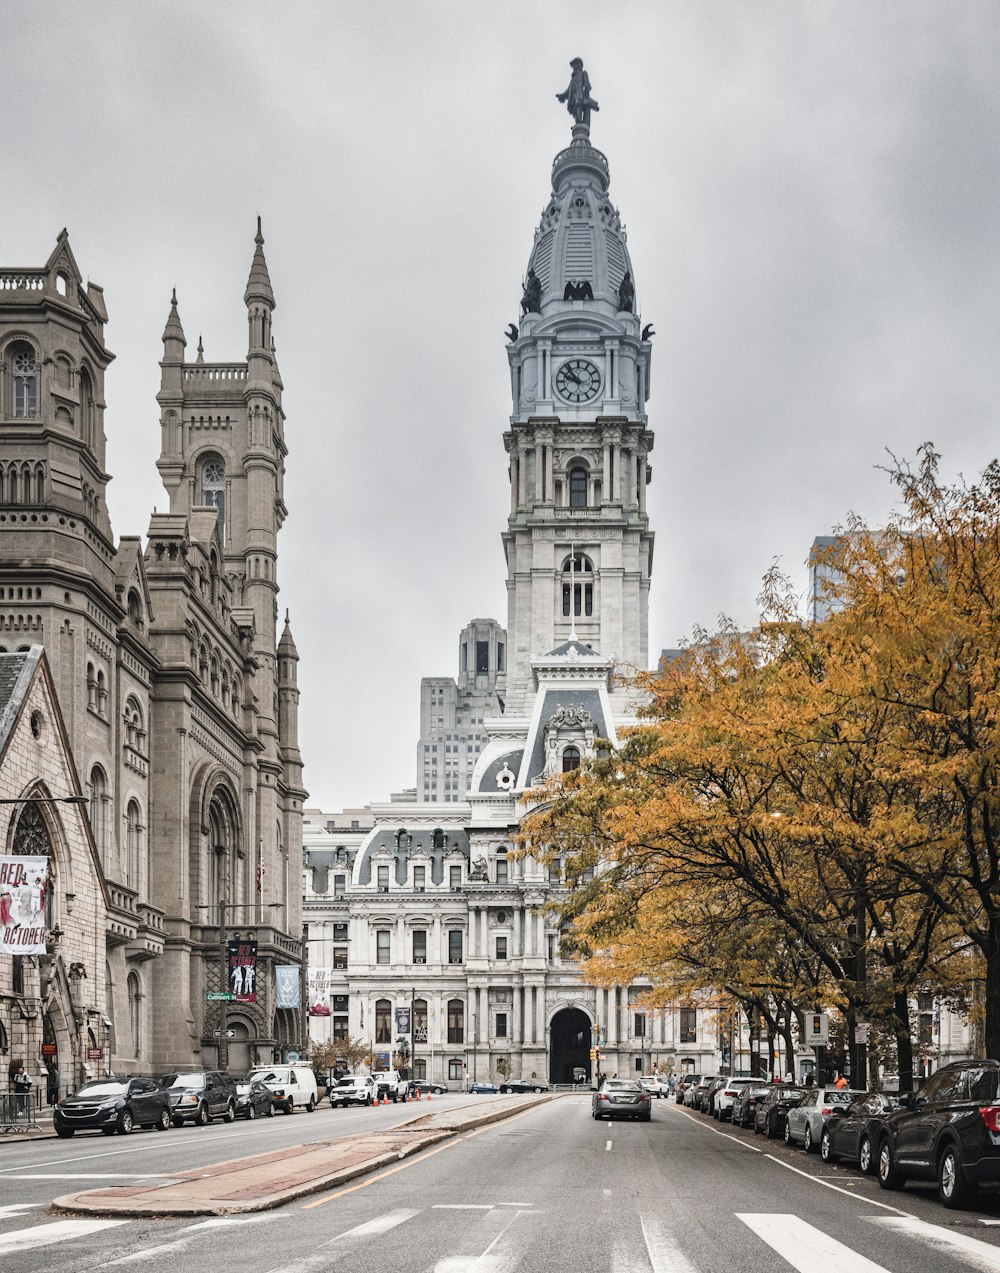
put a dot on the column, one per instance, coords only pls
(513, 481)
(612, 1016)
(515, 1017)
(616, 485)
(642, 484)
(522, 479)
(516, 939)
(549, 494)
(435, 955)
(606, 482)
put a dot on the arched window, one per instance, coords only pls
(212, 488)
(109, 1008)
(98, 811)
(437, 839)
(383, 1021)
(102, 694)
(135, 733)
(578, 487)
(570, 759)
(135, 608)
(133, 844)
(24, 380)
(135, 1012)
(456, 1021)
(31, 839)
(86, 406)
(224, 849)
(39, 495)
(419, 1020)
(579, 586)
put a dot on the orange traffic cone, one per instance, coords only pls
(418, 1093)
(428, 1093)
(385, 1099)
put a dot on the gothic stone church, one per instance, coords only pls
(160, 692)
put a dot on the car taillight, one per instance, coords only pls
(602, 1096)
(645, 1097)
(827, 1111)
(728, 1093)
(991, 1117)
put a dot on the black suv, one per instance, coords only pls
(200, 1095)
(948, 1132)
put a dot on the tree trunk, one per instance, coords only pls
(786, 1034)
(904, 1039)
(993, 988)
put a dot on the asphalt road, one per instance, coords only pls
(545, 1192)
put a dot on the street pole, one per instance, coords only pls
(224, 1003)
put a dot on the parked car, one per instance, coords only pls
(482, 1087)
(745, 1102)
(698, 1093)
(522, 1085)
(353, 1089)
(198, 1096)
(289, 1085)
(113, 1105)
(253, 1100)
(806, 1120)
(853, 1133)
(723, 1096)
(707, 1105)
(651, 1084)
(772, 1111)
(392, 1085)
(622, 1098)
(423, 1086)
(948, 1132)
(684, 1083)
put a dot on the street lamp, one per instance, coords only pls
(45, 800)
(225, 907)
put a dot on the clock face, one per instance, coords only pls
(578, 380)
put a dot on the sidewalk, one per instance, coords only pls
(270, 1180)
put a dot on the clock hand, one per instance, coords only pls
(571, 375)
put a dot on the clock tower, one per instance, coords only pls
(578, 545)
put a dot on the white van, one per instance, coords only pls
(289, 1085)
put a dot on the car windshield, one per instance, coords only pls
(348, 1082)
(265, 1076)
(621, 1085)
(183, 1080)
(107, 1087)
(839, 1098)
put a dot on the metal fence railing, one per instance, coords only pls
(19, 1110)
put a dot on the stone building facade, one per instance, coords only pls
(434, 914)
(179, 700)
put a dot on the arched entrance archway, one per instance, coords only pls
(569, 1044)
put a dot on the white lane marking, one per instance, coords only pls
(607, 1147)
(100, 1175)
(217, 1222)
(16, 1208)
(464, 1206)
(146, 1252)
(665, 1256)
(805, 1247)
(868, 1202)
(523, 1206)
(982, 1255)
(56, 1231)
(607, 1193)
(381, 1224)
(470, 1264)
(726, 1135)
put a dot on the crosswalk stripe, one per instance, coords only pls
(807, 1249)
(982, 1255)
(381, 1224)
(55, 1231)
(664, 1254)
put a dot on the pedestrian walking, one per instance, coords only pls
(52, 1085)
(22, 1088)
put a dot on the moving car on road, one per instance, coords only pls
(621, 1098)
(483, 1087)
(522, 1085)
(423, 1086)
(948, 1132)
(806, 1120)
(353, 1089)
(854, 1131)
(198, 1096)
(113, 1105)
(651, 1084)
(253, 1100)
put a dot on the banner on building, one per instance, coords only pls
(402, 1020)
(242, 964)
(288, 986)
(24, 882)
(318, 991)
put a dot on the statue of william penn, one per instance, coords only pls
(577, 97)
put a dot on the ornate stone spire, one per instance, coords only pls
(173, 334)
(259, 282)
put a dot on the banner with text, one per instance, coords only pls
(242, 969)
(318, 992)
(24, 883)
(287, 976)
(402, 1020)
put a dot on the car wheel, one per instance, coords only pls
(310, 1106)
(788, 1134)
(202, 1118)
(64, 1133)
(163, 1122)
(865, 1156)
(251, 1113)
(230, 1115)
(808, 1144)
(826, 1147)
(289, 1106)
(953, 1188)
(270, 1109)
(125, 1122)
(888, 1175)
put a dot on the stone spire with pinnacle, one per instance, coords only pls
(173, 334)
(259, 282)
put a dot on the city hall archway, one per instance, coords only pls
(569, 1045)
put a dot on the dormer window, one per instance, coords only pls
(570, 760)
(24, 381)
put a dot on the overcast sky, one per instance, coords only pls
(811, 192)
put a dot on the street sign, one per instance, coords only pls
(861, 1029)
(95, 1054)
(223, 994)
(292, 1057)
(230, 1034)
(817, 1028)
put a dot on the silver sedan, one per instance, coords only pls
(805, 1121)
(621, 1098)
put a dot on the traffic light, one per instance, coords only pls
(595, 1054)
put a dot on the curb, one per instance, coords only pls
(78, 1204)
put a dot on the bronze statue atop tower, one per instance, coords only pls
(577, 97)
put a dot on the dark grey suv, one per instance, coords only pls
(948, 1132)
(199, 1096)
